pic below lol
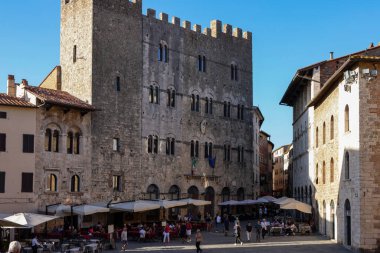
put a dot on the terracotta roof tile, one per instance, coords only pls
(14, 101)
(61, 98)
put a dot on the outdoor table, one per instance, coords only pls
(276, 230)
(92, 247)
(74, 250)
(27, 250)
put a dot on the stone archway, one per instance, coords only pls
(226, 195)
(210, 196)
(193, 193)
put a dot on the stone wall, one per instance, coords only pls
(369, 193)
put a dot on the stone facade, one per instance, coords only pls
(344, 135)
(266, 164)
(280, 170)
(109, 57)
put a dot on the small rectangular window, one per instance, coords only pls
(2, 181)
(28, 143)
(118, 83)
(116, 183)
(116, 144)
(3, 115)
(74, 53)
(27, 182)
(3, 143)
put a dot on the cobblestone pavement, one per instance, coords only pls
(218, 243)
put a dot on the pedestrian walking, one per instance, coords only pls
(264, 228)
(248, 229)
(166, 233)
(258, 229)
(198, 240)
(237, 231)
(226, 225)
(218, 221)
(188, 231)
(124, 239)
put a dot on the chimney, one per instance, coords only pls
(371, 45)
(331, 55)
(24, 82)
(11, 86)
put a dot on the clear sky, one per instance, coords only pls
(287, 35)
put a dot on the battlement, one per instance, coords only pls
(216, 30)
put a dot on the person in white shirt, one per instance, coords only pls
(35, 243)
(142, 234)
(264, 228)
(218, 221)
(124, 239)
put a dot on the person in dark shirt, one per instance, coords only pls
(248, 229)
(258, 229)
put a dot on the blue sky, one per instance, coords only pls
(287, 35)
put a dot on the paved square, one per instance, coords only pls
(217, 242)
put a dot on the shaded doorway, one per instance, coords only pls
(210, 196)
(347, 214)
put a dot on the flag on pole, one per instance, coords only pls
(211, 161)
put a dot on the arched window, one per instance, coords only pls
(347, 165)
(202, 63)
(240, 194)
(70, 142)
(48, 140)
(227, 152)
(332, 128)
(193, 192)
(154, 94)
(225, 194)
(160, 52)
(208, 105)
(170, 143)
(208, 149)
(194, 149)
(171, 97)
(316, 137)
(197, 103)
(55, 142)
(76, 143)
(166, 54)
(324, 133)
(153, 192)
(150, 144)
(75, 183)
(52, 183)
(174, 192)
(331, 170)
(234, 72)
(346, 119)
(316, 174)
(301, 194)
(324, 173)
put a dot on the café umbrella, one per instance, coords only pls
(29, 219)
(196, 202)
(134, 206)
(167, 203)
(230, 203)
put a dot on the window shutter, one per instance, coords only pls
(2, 142)
(2, 181)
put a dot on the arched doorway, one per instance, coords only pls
(193, 193)
(347, 214)
(153, 193)
(174, 194)
(210, 196)
(316, 216)
(240, 196)
(225, 197)
(324, 220)
(332, 219)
